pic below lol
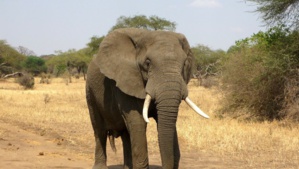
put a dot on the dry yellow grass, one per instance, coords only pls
(61, 109)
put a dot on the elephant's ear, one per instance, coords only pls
(187, 71)
(117, 61)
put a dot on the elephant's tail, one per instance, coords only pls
(112, 142)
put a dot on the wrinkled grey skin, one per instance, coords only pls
(130, 64)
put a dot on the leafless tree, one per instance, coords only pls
(25, 51)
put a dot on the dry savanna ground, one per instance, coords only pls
(49, 127)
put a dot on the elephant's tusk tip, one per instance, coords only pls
(207, 116)
(145, 116)
(146, 120)
(196, 109)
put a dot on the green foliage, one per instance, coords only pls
(276, 12)
(60, 61)
(207, 61)
(34, 65)
(10, 57)
(257, 69)
(141, 21)
(94, 44)
(156, 23)
(57, 63)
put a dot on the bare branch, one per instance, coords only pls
(16, 74)
(275, 12)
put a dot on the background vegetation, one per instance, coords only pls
(259, 74)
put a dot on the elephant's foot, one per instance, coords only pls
(99, 166)
(126, 167)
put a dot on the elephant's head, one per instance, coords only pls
(155, 65)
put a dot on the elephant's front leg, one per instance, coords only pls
(137, 131)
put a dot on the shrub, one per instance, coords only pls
(257, 72)
(290, 108)
(207, 65)
(27, 81)
(45, 78)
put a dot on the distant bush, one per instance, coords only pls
(27, 81)
(261, 73)
(207, 65)
(10, 58)
(34, 65)
(45, 78)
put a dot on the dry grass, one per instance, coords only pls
(49, 108)
(61, 109)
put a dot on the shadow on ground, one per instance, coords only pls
(120, 167)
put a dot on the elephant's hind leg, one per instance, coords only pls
(125, 137)
(100, 152)
(100, 132)
(100, 135)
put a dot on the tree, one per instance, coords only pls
(35, 65)
(9, 57)
(66, 61)
(143, 22)
(94, 44)
(138, 21)
(57, 64)
(206, 60)
(275, 12)
(78, 60)
(157, 23)
(25, 51)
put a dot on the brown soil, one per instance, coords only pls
(24, 147)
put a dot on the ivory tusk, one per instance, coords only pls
(195, 108)
(146, 104)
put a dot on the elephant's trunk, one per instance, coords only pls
(168, 141)
(168, 99)
(168, 92)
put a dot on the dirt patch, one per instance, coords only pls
(23, 148)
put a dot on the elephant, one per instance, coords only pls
(138, 74)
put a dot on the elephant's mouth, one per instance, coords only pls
(147, 102)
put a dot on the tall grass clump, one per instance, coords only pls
(261, 75)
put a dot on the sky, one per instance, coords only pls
(46, 26)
